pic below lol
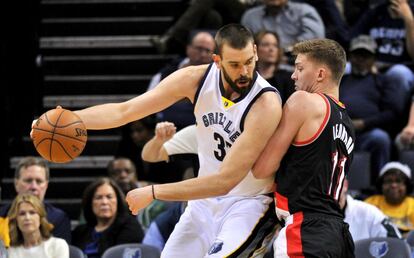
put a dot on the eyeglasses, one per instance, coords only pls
(203, 50)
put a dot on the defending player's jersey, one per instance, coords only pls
(305, 169)
(220, 122)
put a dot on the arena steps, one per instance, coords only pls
(91, 52)
(106, 8)
(105, 25)
(102, 64)
(81, 101)
(95, 83)
(97, 144)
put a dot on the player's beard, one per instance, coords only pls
(233, 84)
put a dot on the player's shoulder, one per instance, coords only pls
(269, 100)
(304, 102)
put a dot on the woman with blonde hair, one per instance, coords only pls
(30, 232)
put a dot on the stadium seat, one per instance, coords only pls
(407, 157)
(359, 173)
(410, 239)
(75, 252)
(383, 247)
(131, 251)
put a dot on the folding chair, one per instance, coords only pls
(75, 252)
(360, 171)
(384, 247)
(132, 251)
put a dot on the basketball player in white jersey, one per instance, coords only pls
(236, 113)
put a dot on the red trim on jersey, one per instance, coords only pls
(324, 123)
(342, 105)
(294, 237)
(282, 202)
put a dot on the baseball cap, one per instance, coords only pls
(363, 42)
(397, 166)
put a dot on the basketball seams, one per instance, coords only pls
(63, 148)
(53, 135)
(63, 135)
(73, 123)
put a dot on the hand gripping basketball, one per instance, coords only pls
(59, 135)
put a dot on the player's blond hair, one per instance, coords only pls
(324, 51)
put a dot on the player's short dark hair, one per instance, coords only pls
(235, 35)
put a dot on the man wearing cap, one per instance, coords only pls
(372, 102)
(394, 186)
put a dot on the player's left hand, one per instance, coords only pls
(139, 198)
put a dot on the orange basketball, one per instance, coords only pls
(59, 135)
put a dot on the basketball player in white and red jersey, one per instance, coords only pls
(236, 112)
(312, 149)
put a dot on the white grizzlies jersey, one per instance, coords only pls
(220, 123)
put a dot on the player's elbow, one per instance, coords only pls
(225, 185)
(262, 172)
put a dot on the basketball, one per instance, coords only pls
(59, 135)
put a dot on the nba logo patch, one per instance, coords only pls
(215, 247)
(378, 249)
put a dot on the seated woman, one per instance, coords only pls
(108, 221)
(30, 232)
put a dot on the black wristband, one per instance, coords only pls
(153, 192)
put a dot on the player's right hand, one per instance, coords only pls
(31, 131)
(165, 131)
(34, 122)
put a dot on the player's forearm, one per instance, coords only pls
(102, 116)
(192, 189)
(153, 151)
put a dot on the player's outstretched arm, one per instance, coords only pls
(294, 115)
(154, 150)
(260, 124)
(181, 84)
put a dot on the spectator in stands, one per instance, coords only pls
(372, 102)
(134, 136)
(365, 220)
(201, 14)
(160, 229)
(4, 232)
(292, 21)
(30, 231)
(335, 26)
(270, 56)
(199, 51)
(391, 24)
(123, 172)
(32, 176)
(405, 140)
(108, 222)
(394, 186)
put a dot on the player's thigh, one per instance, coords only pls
(190, 236)
(246, 227)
